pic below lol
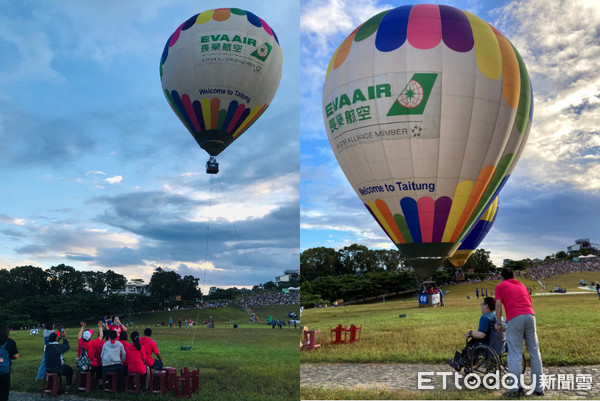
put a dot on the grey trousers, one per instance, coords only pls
(519, 328)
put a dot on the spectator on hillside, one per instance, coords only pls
(9, 348)
(113, 356)
(151, 348)
(42, 369)
(55, 362)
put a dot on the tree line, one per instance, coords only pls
(356, 272)
(30, 295)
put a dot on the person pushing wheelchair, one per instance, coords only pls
(485, 334)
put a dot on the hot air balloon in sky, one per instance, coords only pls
(220, 70)
(427, 109)
(475, 236)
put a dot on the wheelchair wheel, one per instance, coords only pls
(504, 363)
(483, 360)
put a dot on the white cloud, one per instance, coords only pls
(114, 180)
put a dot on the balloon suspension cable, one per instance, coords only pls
(239, 239)
(205, 262)
(141, 230)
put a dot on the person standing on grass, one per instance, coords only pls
(42, 369)
(8, 353)
(520, 325)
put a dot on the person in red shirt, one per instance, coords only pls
(116, 326)
(151, 348)
(84, 343)
(134, 357)
(123, 340)
(97, 344)
(521, 324)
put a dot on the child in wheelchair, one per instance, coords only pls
(485, 334)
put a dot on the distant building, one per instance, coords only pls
(287, 276)
(212, 290)
(132, 288)
(581, 244)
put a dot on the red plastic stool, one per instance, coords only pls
(171, 378)
(134, 383)
(112, 378)
(52, 384)
(84, 381)
(195, 376)
(185, 387)
(158, 382)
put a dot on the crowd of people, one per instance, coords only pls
(110, 348)
(543, 270)
(291, 298)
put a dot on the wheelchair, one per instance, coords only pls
(481, 359)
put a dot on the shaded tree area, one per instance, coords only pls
(356, 272)
(30, 295)
(70, 309)
(61, 280)
(169, 285)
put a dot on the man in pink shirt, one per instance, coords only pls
(513, 295)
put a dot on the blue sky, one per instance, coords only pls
(98, 173)
(552, 197)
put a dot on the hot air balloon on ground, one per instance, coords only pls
(220, 70)
(427, 109)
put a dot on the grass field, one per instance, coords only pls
(252, 362)
(567, 326)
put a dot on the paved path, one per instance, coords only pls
(404, 376)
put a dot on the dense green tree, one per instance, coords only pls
(165, 284)
(317, 262)
(29, 281)
(114, 281)
(94, 281)
(189, 288)
(356, 259)
(388, 259)
(65, 280)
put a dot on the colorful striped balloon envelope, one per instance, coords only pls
(427, 109)
(220, 70)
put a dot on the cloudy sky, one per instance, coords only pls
(553, 195)
(98, 173)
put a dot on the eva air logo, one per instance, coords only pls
(262, 52)
(414, 96)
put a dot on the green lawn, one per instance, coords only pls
(567, 327)
(252, 362)
(431, 335)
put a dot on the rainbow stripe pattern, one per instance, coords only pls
(213, 122)
(230, 120)
(475, 236)
(442, 220)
